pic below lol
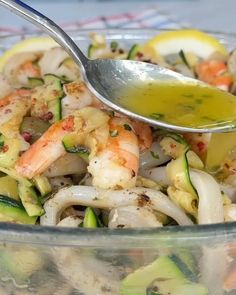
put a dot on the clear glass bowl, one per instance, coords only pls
(64, 261)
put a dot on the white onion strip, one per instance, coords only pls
(229, 190)
(210, 207)
(107, 199)
(157, 174)
(132, 217)
(154, 156)
(210, 210)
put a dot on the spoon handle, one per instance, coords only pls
(48, 26)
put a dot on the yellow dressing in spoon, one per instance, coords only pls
(185, 104)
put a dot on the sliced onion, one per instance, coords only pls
(230, 212)
(210, 207)
(229, 190)
(70, 221)
(106, 199)
(52, 63)
(132, 217)
(153, 157)
(68, 164)
(210, 210)
(157, 174)
(59, 182)
(51, 60)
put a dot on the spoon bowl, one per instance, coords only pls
(130, 75)
(109, 79)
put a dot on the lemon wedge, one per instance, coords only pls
(31, 44)
(190, 41)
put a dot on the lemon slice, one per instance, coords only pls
(32, 44)
(190, 41)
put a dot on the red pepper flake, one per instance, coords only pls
(139, 54)
(68, 124)
(5, 148)
(33, 101)
(226, 166)
(201, 146)
(7, 111)
(172, 145)
(47, 117)
(55, 93)
(27, 136)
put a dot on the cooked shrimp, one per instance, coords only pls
(29, 69)
(13, 108)
(48, 148)
(77, 97)
(21, 66)
(215, 72)
(116, 165)
(114, 150)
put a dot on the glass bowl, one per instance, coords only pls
(65, 261)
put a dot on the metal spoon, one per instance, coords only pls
(106, 78)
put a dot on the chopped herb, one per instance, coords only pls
(198, 101)
(186, 107)
(1, 144)
(155, 156)
(206, 95)
(110, 113)
(188, 95)
(114, 45)
(177, 137)
(114, 133)
(157, 116)
(127, 127)
(208, 118)
(78, 149)
(153, 291)
(183, 57)
(95, 198)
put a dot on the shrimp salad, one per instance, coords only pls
(65, 155)
(68, 160)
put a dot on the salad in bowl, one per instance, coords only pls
(67, 160)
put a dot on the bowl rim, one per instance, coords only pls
(166, 236)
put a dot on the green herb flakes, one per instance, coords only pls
(155, 156)
(127, 127)
(157, 116)
(114, 45)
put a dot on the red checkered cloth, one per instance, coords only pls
(148, 18)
